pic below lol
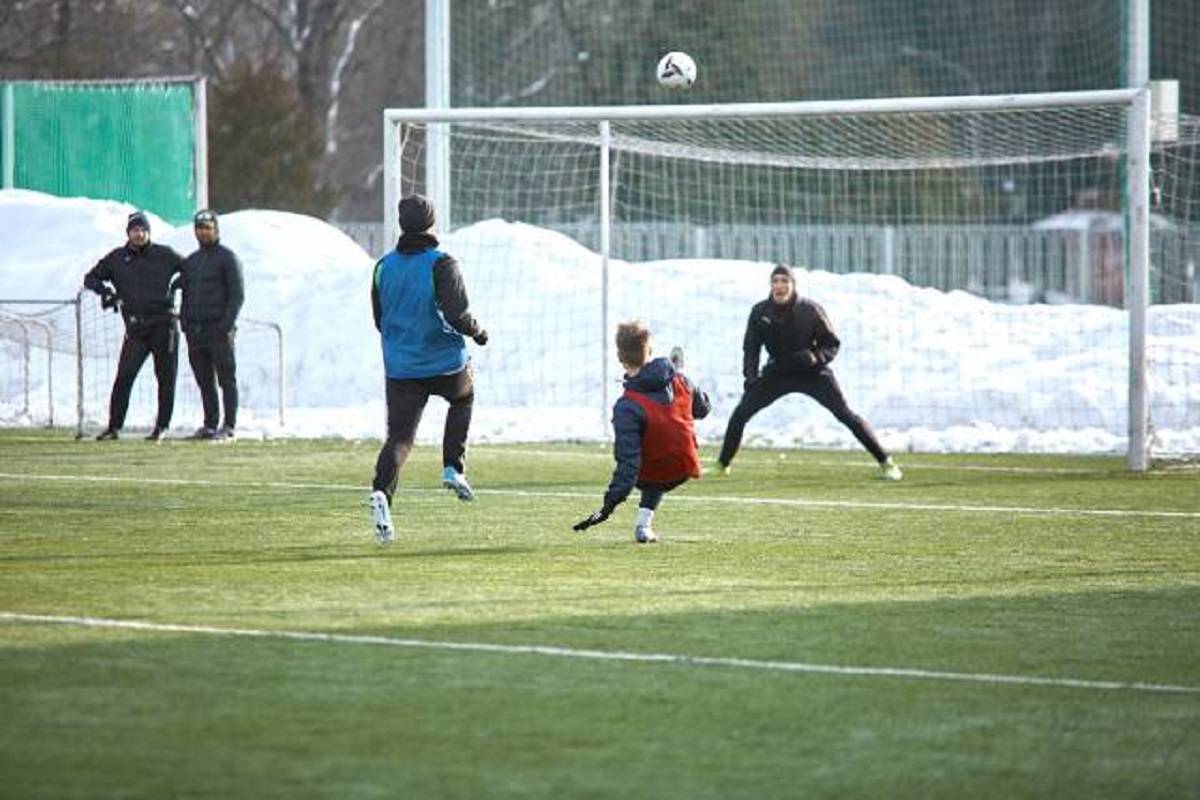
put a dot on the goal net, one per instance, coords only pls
(986, 262)
(65, 356)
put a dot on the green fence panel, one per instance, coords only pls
(133, 142)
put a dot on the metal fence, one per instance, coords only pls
(1010, 263)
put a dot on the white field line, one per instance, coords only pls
(602, 655)
(799, 458)
(712, 499)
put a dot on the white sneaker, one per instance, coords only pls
(381, 513)
(457, 483)
(889, 471)
(644, 535)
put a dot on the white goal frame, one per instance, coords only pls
(1137, 184)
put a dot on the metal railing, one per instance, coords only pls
(1011, 263)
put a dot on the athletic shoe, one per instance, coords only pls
(156, 434)
(107, 434)
(889, 471)
(381, 514)
(457, 483)
(644, 535)
(224, 433)
(204, 432)
(722, 469)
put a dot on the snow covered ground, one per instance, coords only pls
(931, 370)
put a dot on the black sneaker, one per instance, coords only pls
(224, 433)
(204, 432)
(107, 434)
(156, 434)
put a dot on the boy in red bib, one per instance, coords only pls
(654, 439)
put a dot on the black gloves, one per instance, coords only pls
(808, 359)
(111, 300)
(481, 338)
(593, 519)
(749, 382)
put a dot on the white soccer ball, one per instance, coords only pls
(676, 70)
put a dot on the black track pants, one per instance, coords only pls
(821, 386)
(211, 354)
(406, 401)
(161, 340)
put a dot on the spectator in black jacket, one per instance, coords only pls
(800, 345)
(135, 280)
(211, 280)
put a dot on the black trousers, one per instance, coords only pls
(160, 339)
(211, 354)
(406, 401)
(820, 386)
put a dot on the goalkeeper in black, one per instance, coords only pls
(800, 345)
(135, 280)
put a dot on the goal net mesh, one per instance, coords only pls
(972, 263)
(68, 360)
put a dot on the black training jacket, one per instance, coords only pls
(797, 335)
(448, 286)
(211, 280)
(141, 277)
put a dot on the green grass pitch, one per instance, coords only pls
(992, 626)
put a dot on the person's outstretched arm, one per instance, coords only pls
(452, 301)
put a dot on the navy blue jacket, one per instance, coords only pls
(654, 380)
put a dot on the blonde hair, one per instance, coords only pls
(633, 343)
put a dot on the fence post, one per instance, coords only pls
(79, 364)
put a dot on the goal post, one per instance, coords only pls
(948, 193)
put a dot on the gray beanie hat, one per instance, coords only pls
(416, 214)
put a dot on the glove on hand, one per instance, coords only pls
(807, 359)
(481, 338)
(111, 300)
(594, 519)
(749, 382)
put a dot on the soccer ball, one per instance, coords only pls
(676, 70)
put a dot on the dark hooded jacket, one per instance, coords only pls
(654, 380)
(797, 334)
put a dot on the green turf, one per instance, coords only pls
(973, 565)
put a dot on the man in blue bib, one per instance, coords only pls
(420, 306)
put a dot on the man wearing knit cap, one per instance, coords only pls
(213, 293)
(800, 345)
(421, 311)
(135, 280)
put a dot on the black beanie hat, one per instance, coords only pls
(138, 219)
(205, 216)
(784, 269)
(416, 214)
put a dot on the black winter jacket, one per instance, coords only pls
(448, 286)
(654, 380)
(140, 277)
(213, 292)
(797, 335)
